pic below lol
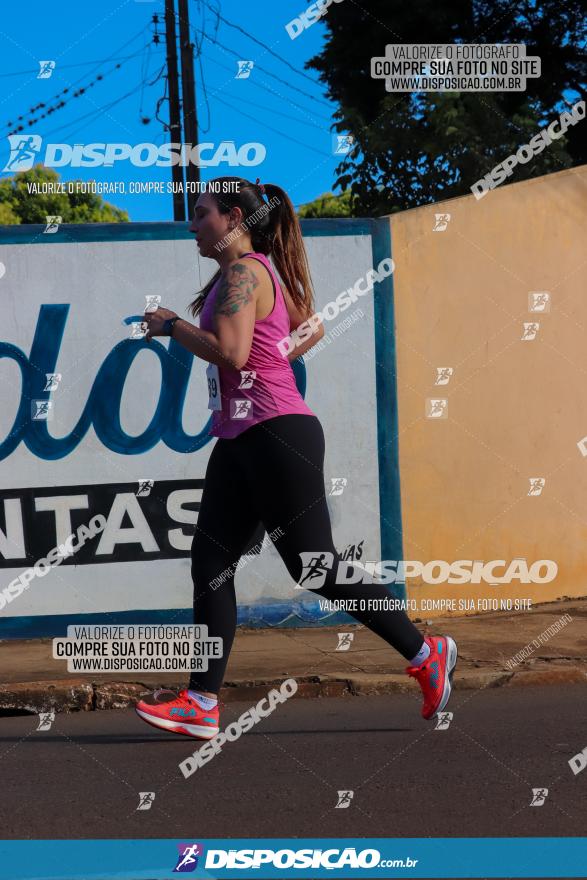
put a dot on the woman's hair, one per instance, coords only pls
(275, 231)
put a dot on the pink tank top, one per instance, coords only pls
(266, 386)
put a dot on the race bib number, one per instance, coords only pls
(213, 376)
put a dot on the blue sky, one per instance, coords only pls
(283, 108)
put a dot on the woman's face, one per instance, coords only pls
(210, 225)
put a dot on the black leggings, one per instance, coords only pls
(272, 473)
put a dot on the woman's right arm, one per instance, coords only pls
(296, 317)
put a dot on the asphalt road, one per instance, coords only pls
(82, 778)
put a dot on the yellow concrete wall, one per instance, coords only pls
(516, 409)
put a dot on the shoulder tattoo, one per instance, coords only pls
(236, 290)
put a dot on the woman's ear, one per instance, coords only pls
(235, 217)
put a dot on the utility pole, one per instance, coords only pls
(188, 89)
(174, 120)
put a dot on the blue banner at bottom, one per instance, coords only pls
(529, 857)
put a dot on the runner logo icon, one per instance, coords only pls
(188, 857)
(23, 151)
(314, 572)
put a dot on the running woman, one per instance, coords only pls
(267, 463)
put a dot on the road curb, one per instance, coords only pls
(71, 695)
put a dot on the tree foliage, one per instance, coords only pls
(328, 205)
(18, 205)
(415, 148)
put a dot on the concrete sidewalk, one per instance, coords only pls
(31, 680)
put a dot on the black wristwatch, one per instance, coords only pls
(168, 325)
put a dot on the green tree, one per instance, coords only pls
(19, 205)
(415, 148)
(328, 205)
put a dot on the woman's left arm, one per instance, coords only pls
(201, 343)
(234, 320)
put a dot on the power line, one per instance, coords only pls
(120, 48)
(268, 72)
(98, 111)
(264, 107)
(49, 110)
(259, 42)
(67, 66)
(276, 130)
(271, 91)
(104, 109)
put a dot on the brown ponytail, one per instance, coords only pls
(288, 251)
(275, 232)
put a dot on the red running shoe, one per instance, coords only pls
(181, 715)
(435, 674)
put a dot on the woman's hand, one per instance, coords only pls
(155, 320)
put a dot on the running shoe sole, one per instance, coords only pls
(194, 730)
(451, 662)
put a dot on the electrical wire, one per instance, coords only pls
(98, 111)
(259, 43)
(270, 73)
(276, 130)
(264, 107)
(49, 110)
